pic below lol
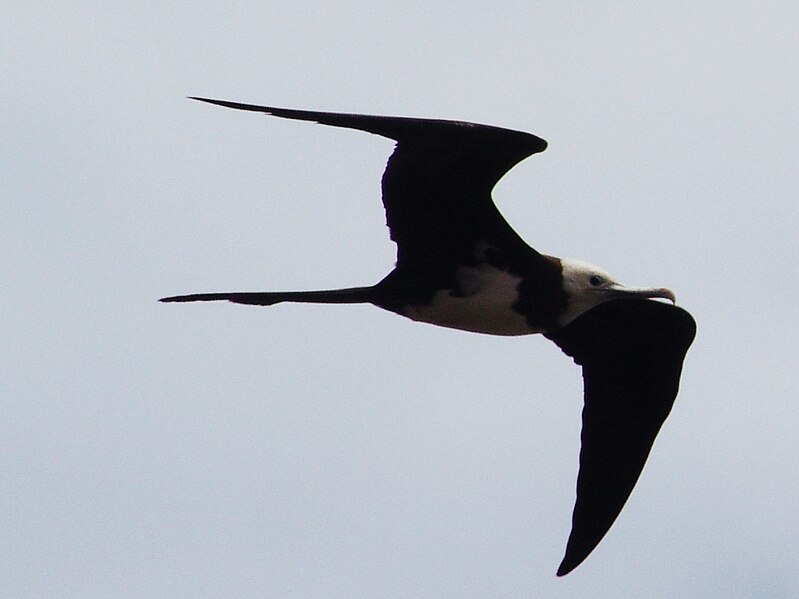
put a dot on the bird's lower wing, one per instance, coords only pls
(632, 353)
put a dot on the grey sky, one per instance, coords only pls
(152, 450)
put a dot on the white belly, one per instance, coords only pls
(485, 306)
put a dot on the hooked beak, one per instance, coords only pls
(643, 292)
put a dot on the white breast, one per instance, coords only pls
(485, 304)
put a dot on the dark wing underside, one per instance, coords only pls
(632, 353)
(437, 184)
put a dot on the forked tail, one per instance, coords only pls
(353, 295)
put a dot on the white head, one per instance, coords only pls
(588, 286)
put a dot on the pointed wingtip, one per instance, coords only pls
(248, 107)
(568, 564)
(209, 100)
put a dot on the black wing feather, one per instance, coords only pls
(437, 184)
(632, 353)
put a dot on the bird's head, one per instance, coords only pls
(587, 286)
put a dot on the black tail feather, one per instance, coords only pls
(353, 295)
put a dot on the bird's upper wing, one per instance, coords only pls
(437, 184)
(632, 353)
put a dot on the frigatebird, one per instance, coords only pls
(460, 265)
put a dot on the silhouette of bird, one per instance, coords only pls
(460, 265)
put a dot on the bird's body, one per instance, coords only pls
(482, 302)
(460, 265)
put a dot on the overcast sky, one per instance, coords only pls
(215, 450)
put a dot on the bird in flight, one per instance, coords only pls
(460, 265)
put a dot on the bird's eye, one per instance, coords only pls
(596, 280)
